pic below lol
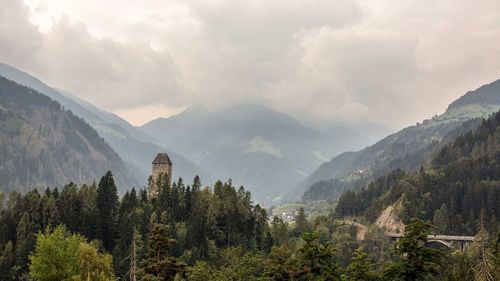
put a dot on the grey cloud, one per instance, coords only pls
(18, 38)
(120, 75)
(322, 60)
(114, 74)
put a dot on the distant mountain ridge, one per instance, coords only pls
(41, 144)
(489, 96)
(254, 145)
(458, 191)
(134, 146)
(410, 147)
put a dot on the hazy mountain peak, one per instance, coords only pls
(261, 148)
(408, 148)
(133, 145)
(485, 95)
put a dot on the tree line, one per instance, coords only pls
(190, 232)
(457, 190)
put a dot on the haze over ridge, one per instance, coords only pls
(320, 61)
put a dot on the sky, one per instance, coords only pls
(322, 61)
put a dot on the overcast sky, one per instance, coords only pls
(393, 62)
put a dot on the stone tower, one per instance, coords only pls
(161, 166)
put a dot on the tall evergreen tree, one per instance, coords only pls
(7, 261)
(25, 241)
(159, 264)
(302, 226)
(317, 260)
(416, 261)
(360, 268)
(485, 267)
(107, 205)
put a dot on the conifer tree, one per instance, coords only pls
(159, 264)
(107, 204)
(25, 241)
(484, 268)
(317, 260)
(7, 261)
(279, 231)
(416, 260)
(302, 226)
(135, 256)
(360, 268)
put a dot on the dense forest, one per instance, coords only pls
(191, 232)
(456, 191)
(411, 147)
(42, 144)
(409, 160)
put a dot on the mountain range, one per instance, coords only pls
(255, 146)
(458, 189)
(135, 147)
(42, 144)
(411, 147)
(269, 152)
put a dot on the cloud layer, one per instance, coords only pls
(320, 60)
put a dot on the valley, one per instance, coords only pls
(319, 140)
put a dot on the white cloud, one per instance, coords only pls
(324, 60)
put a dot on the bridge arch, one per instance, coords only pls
(439, 242)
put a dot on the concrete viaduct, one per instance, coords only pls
(450, 241)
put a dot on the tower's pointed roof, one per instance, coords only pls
(162, 158)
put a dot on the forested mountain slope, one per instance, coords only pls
(41, 144)
(134, 146)
(459, 189)
(409, 148)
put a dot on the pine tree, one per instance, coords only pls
(50, 212)
(107, 204)
(279, 230)
(25, 241)
(302, 226)
(7, 261)
(159, 264)
(360, 268)
(317, 260)
(415, 260)
(188, 203)
(484, 268)
(134, 256)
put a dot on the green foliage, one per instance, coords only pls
(237, 265)
(460, 183)
(43, 144)
(56, 256)
(302, 226)
(361, 268)
(201, 271)
(332, 188)
(7, 261)
(159, 265)
(485, 267)
(279, 231)
(416, 261)
(281, 264)
(93, 265)
(59, 256)
(317, 260)
(107, 205)
(223, 237)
